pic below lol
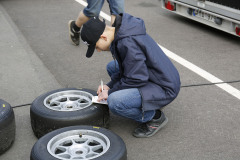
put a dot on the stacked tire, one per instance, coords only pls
(7, 126)
(66, 107)
(69, 127)
(80, 143)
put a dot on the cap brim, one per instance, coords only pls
(90, 50)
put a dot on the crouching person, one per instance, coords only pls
(143, 79)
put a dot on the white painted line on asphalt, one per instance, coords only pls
(82, 2)
(208, 76)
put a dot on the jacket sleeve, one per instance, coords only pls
(135, 72)
(114, 78)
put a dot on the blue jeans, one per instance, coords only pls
(94, 7)
(127, 102)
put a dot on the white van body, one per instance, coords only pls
(221, 14)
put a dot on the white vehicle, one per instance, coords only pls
(221, 14)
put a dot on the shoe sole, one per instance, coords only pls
(70, 33)
(150, 135)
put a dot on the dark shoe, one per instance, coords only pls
(148, 129)
(74, 36)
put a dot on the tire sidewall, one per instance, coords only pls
(116, 151)
(39, 108)
(7, 126)
(5, 111)
(45, 120)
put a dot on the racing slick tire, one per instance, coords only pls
(7, 126)
(79, 142)
(66, 107)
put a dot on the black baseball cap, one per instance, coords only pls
(91, 32)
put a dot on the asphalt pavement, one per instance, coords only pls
(203, 121)
(23, 77)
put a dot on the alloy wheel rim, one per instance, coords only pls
(78, 145)
(70, 100)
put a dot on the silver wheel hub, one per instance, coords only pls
(70, 100)
(78, 145)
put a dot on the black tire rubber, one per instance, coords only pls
(7, 126)
(45, 120)
(117, 150)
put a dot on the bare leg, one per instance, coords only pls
(113, 17)
(81, 19)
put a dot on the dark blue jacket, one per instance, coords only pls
(143, 65)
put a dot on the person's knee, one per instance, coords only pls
(111, 67)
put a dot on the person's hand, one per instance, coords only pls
(105, 87)
(103, 95)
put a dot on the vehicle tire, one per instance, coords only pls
(80, 143)
(66, 107)
(7, 126)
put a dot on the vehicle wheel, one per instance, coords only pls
(80, 143)
(66, 107)
(7, 126)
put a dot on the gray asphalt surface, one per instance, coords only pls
(36, 57)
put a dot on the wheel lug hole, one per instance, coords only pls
(79, 152)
